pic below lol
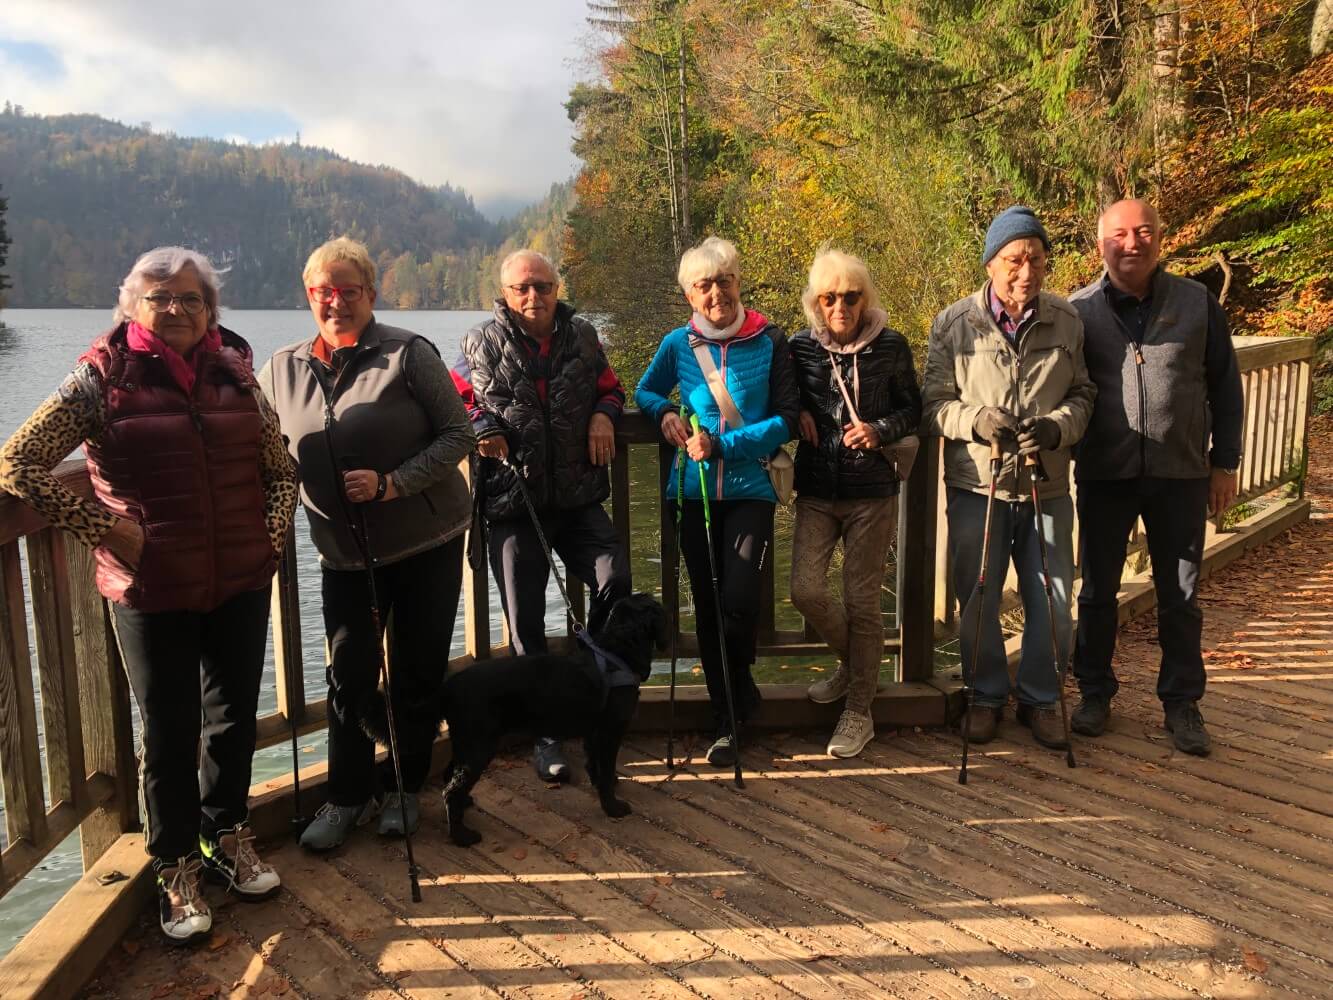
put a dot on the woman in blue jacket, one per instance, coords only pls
(750, 355)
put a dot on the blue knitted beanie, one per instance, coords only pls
(1015, 223)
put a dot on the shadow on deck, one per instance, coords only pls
(1142, 873)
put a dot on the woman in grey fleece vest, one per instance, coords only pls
(377, 430)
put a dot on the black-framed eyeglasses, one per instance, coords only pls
(540, 287)
(191, 303)
(724, 283)
(851, 297)
(324, 294)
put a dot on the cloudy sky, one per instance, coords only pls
(464, 91)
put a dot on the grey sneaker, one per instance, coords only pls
(851, 735)
(332, 824)
(391, 816)
(548, 758)
(1185, 724)
(830, 689)
(722, 753)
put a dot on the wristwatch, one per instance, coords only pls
(1232, 472)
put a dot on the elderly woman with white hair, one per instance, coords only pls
(734, 373)
(858, 393)
(193, 495)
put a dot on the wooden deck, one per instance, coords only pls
(1142, 873)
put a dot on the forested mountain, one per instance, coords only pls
(87, 195)
(897, 128)
(539, 227)
(4, 248)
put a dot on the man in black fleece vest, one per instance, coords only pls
(1158, 348)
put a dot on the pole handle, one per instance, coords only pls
(995, 453)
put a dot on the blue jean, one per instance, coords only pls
(1012, 535)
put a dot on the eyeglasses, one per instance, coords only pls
(724, 283)
(1015, 264)
(540, 287)
(324, 294)
(191, 303)
(851, 297)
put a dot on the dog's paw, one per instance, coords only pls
(463, 836)
(616, 808)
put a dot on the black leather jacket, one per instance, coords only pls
(889, 399)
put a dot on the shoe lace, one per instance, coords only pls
(184, 885)
(849, 724)
(248, 864)
(1191, 717)
(330, 813)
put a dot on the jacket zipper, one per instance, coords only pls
(329, 394)
(1143, 404)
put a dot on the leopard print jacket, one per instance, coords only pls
(76, 413)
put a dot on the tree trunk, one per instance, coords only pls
(1321, 31)
(683, 173)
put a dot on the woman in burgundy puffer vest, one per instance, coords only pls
(194, 494)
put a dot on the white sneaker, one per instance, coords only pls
(183, 912)
(851, 735)
(830, 689)
(232, 861)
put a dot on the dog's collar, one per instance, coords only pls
(615, 671)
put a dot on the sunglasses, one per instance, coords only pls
(540, 287)
(851, 298)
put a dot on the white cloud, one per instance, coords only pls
(463, 92)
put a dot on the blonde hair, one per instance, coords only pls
(344, 248)
(831, 268)
(712, 257)
(162, 264)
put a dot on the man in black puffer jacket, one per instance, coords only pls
(539, 389)
(858, 393)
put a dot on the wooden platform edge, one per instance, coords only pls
(1137, 595)
(61, 953)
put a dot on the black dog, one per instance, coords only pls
(561, 695)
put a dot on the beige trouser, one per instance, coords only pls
(853, 627)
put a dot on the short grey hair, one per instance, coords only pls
(528, 254)
(830, 268)
(712, 257)
(162, 264)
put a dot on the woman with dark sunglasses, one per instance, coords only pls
(858, 393)
(377, 430)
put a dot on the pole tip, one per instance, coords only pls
(962, 777)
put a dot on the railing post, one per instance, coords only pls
(288, 660)
(918, 507)
(667, 527)
(476, 591)
(25, 805)
(108, 733)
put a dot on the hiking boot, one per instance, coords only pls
(1045, 723)
(391, 816)
(183, 912)
(830, 689)
(723, 751)
(1091, 716)
(983, 721)
(851, 735)
(548, 757)
(333, 823)
(1185, 725)
(231, 860)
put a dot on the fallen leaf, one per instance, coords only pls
(663, 879)
(520, 853)
(719, 894)
(880, 827)
(219, 941)
(651, 898)
(1239, 829)
(1254, 961)
(165, 989)
(131, 947)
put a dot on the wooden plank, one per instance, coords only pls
(1304, 405)
(1126, 921)
(1264, 377)
(57, 664)
(667, 538)
(476, 593)
(17, 519)
(1249, 425)
(20, 756)
(60, 954)
(620, 513)
(288, 661)
(1260, 352)
(681, 893)
(104, 691)
(22, 856)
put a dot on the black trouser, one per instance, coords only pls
(1173, 512)
(196, 678)
(587, 544)
(418, 598)
(742, 537)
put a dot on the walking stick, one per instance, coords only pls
(978, 596)
(1033, 465)
(675, 584)
(717, 606)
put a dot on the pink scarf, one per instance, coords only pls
(183, 370)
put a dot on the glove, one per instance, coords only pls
(994, 424)
(1038, 434)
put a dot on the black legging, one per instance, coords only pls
(421, 594)
(742, 538)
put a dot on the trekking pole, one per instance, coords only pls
(1033, 465)
(717, 607)
(299, 820)
(978, 595)
(675, 584)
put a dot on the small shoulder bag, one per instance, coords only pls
(900, 454)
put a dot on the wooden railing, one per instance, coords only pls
(86, 737)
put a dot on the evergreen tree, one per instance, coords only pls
(4, 248)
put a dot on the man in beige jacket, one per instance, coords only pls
(1005, 364)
